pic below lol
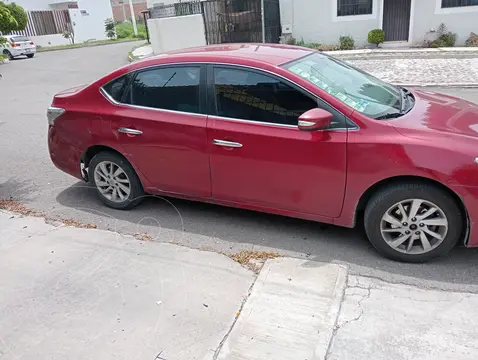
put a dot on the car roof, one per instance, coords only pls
(271, 54)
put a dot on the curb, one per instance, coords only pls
(46, 49)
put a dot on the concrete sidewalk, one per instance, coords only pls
(69, 293)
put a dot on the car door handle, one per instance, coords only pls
(226, 143)
(130, 131)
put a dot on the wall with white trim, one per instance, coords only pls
(89, 20)
(429, 15)
(49, 40)
(316, 21)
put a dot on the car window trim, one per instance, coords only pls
(349, 124)
(212, 100)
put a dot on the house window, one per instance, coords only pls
(458, 3)
(355, 7)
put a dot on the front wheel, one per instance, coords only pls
(30, 56)
(413, 222)
(115, 180)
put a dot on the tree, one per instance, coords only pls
(7, 21)
(12, 18)
(20, 16)
(110, 28)
(70, 35)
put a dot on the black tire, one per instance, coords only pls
(136, 189)
(387, 197)
(8, 53)
(30, 56)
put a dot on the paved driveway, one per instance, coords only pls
(27, 174)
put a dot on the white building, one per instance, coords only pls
(405, 22)
(85, 17)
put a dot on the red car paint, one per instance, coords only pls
(322, 179)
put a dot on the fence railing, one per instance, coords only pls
(178, 9)
(48, 22)
(229, 21)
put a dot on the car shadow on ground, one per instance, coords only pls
(294, 237)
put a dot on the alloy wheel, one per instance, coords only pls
(112, 182)
(414, 226)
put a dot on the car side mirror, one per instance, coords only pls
(315, 119)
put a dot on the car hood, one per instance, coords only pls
(440, 114)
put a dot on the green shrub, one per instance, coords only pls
(124, 31)
(445, 40)
(301, 42)
(376, 36)
(472, 40)
(328, 48)
(347, 43)
(141, 35)
(291, 41)
(449, 39)
(314, 46)
(110, 28)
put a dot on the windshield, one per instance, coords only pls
(361, 91)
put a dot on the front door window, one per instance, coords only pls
(248, 95)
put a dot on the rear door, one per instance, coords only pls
(161, 126)
(258, 154)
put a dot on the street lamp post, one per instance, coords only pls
(133, 17)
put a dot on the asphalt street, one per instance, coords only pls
(28, 175)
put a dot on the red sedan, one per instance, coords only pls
(283, 130)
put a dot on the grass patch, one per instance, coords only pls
(253, 259)
(126, 31)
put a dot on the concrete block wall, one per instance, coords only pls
(174, 33)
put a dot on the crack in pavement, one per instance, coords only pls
(406, 283)
(337, 327)
(249, 292)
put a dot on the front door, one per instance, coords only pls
(258, 154)
(396, 19)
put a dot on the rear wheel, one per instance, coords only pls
(30, 56)
(115, 180)
(413, 222)
(8, 53)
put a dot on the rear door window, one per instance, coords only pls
(116, 89)
(167, 88)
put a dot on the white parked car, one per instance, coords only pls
(18, 45)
